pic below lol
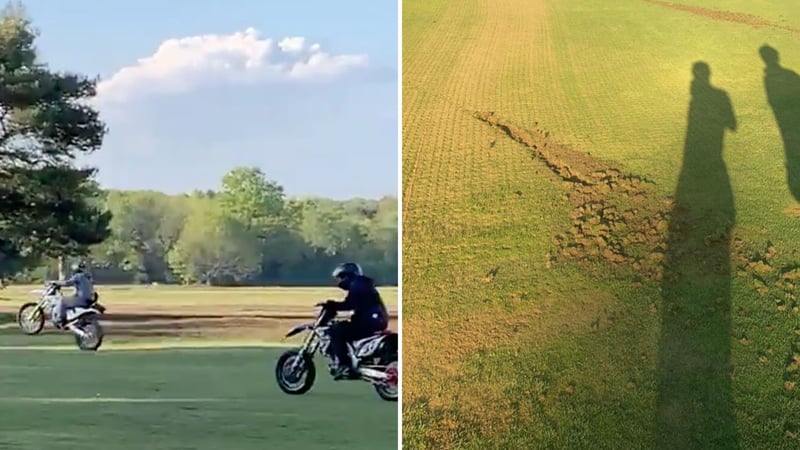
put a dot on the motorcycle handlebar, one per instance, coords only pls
(324, 304)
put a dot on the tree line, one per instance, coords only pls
(246, 232)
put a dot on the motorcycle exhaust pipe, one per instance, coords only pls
(373, 374)
(76, 330)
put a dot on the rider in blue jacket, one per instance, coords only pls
(369, 314)
(83, 297)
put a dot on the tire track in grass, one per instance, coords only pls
(726, 16)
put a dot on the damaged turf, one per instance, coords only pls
(616, 217)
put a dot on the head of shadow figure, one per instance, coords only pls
(783, 95)
(710, 113)
(694, 403)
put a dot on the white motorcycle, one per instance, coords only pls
(375, 356)
(84, 323)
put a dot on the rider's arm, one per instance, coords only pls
(348, 304)
(359, 291)
(66, 283)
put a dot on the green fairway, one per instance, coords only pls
(600, 236)
(180, 399)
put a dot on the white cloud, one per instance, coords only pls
(292, 44)
(181, 65)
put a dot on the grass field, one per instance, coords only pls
(600, 241)
(155, 394)
(179, 399)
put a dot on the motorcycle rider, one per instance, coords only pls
(83, 297)
(369, 315)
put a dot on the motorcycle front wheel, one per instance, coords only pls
(30, 318)
(295, 381)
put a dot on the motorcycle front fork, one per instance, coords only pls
(308, 344)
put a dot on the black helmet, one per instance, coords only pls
(345, 273)
(79, 266)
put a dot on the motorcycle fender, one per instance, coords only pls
(77, 313)
(298, 329)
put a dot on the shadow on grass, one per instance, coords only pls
(783, 94)
(694, 408)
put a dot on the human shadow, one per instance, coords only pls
(694, 404)
(783, 95)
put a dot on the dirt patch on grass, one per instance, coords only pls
(619, 228)
(727, 16)
(777, 285)
(620, 220)
(792, 211)
(617, 217)
(773, 282)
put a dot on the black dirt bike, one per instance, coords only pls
(375, 356)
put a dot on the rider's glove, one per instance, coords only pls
(327, 303)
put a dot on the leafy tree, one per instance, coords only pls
(254, 200)
(328, 229)
(215, 248)
(47, 206)
(146, 225)
(260, 204)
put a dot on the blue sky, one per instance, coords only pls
(317, 124)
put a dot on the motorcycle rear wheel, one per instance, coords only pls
(95, 339)
(388, 391)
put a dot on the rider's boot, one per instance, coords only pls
(338, 373)
(341, 370)
(345, 370)
(338, 370)
(353, 373)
